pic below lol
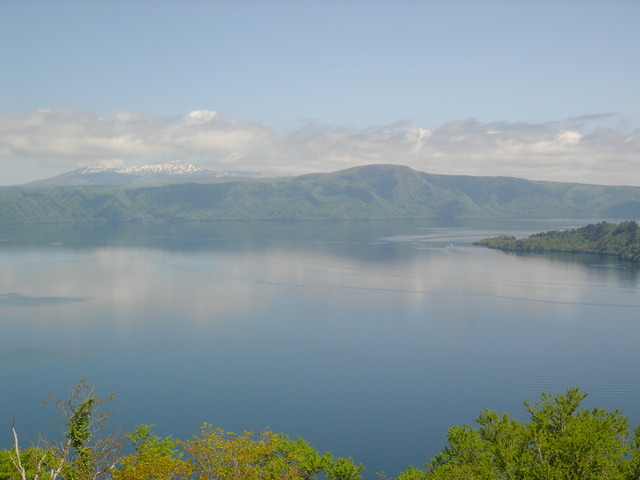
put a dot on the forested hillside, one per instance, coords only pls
(561, 440)
(370, 192)
(604, 238)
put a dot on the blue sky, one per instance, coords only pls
(536, 89)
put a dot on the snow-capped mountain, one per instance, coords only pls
(157, 173)
(168, 168)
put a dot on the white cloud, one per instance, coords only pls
(569, 137)
(200, 116)
(585, 149)
(73, 135)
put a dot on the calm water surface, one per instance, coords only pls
(368, 339)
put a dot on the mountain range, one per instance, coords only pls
(367, 192)
(153, 174)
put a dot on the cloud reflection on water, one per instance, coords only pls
(261, 324)
(16, 299)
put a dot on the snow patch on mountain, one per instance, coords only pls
(156, 173)
(167, 168)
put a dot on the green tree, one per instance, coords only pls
(83, 455)
(622, 240)
(576, 443)
(28, 463)
(344, 469)
(412, 473)
(309, 461)
(155, 458)
(218, 455)
(561, 441)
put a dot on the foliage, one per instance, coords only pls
(33, 460)
(308, 460)
(83, 455)
(216, 454)
(146, 443)
(604, 238)
(155, 458)
(561, 441)
(368, 192)
(87, 453)
(344, 469)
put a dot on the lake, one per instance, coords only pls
(368, 339)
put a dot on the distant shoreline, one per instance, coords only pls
(373, 192)
(622, 240)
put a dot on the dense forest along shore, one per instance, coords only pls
(605, 238)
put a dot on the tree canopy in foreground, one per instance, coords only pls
(561, 440)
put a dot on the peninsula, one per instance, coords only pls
(621, 239)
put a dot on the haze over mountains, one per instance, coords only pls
(168, 193)
(157, 173)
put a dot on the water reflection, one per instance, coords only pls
(15, 299)
(366, 338)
